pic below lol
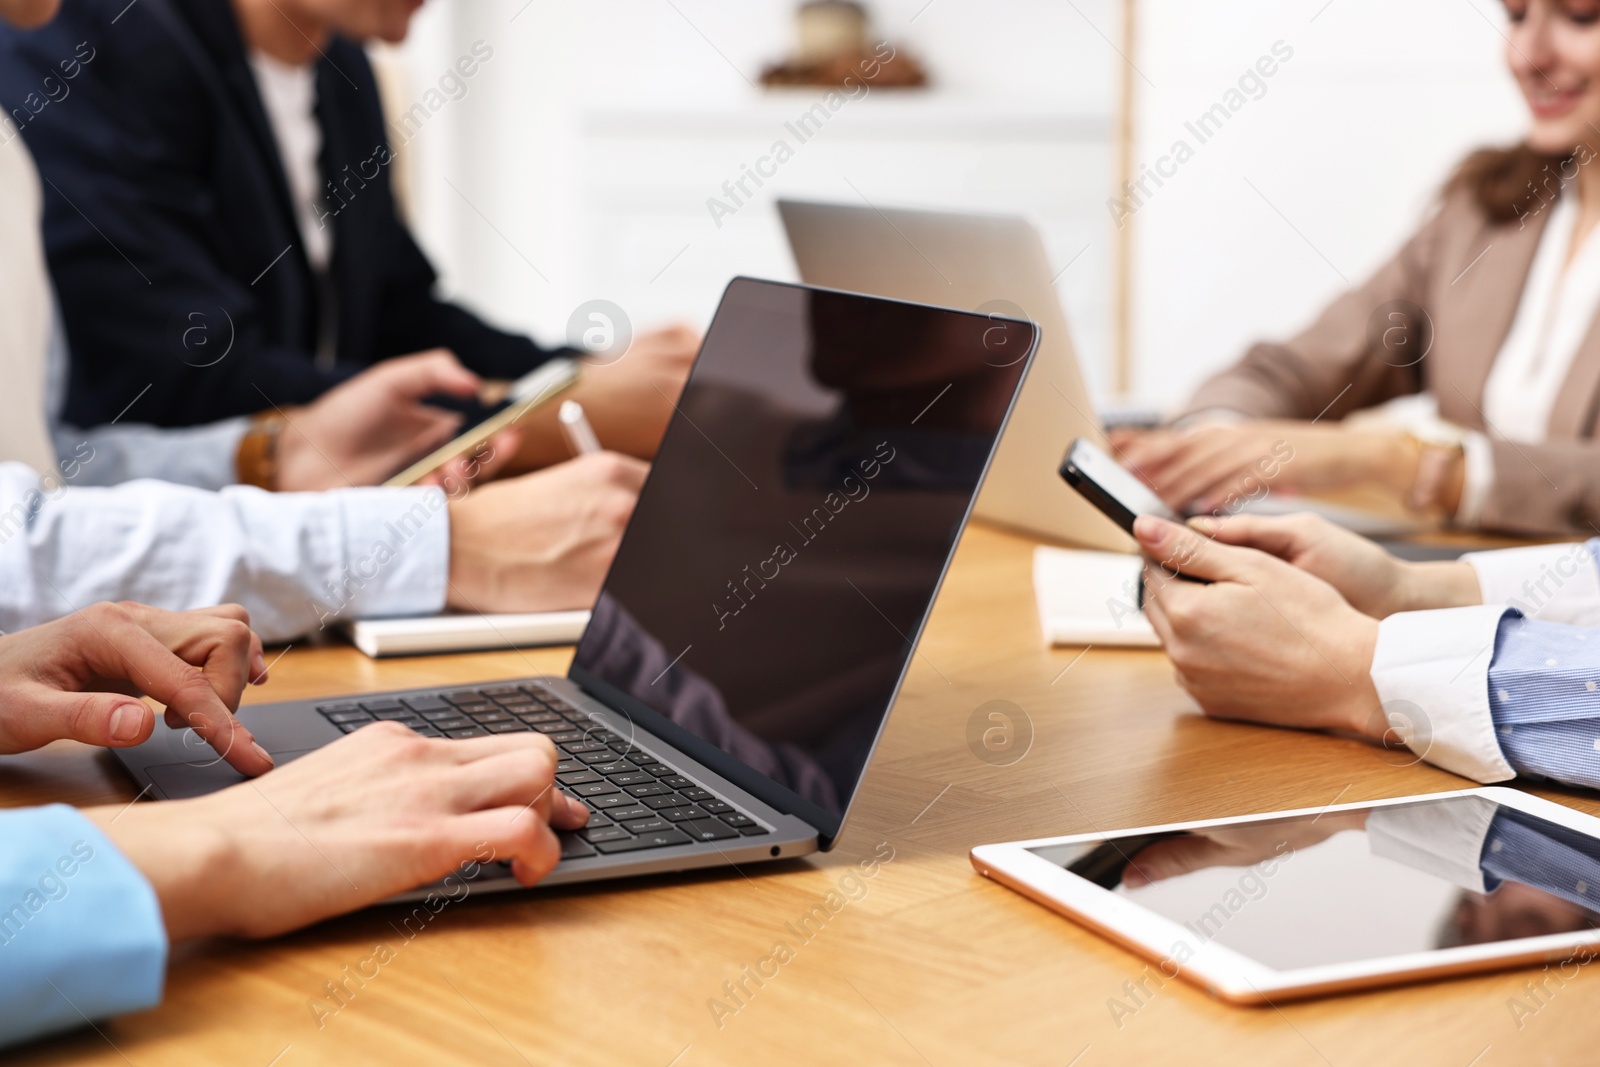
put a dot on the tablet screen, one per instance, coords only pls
(1355, 885)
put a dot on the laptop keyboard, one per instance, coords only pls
(635, 800)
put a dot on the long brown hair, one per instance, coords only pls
(1512, 183)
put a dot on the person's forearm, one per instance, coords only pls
(1390, 458)
(1255, 387)
(1411, 469)
(188, 861)
(296, 561)
(1442, 584)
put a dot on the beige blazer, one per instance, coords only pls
(1465, 276)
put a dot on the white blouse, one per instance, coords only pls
(1556, 312)
(289, 95)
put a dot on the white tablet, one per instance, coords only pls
(1261, 908)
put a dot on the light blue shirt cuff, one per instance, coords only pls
(1544, 693)
(81, 931)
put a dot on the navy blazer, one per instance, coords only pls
(170, 230)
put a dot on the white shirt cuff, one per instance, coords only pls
(1431, 670)
(1441, 837)
(1477, 478)
(1553, 583)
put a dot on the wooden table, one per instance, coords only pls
(934, 965)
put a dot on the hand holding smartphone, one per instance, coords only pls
(527, 394)
(1121, 497)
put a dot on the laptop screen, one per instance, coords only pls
(789, 541)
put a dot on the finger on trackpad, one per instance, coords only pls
(180, 781)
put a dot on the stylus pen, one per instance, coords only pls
(575, 427)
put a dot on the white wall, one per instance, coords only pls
(585, 150)
(583, 153)
(1349, 142)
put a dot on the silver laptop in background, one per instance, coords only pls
(768, 593)
(994, 264)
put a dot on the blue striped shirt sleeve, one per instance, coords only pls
(1544, 698)
(81, 932)
(1535, 852)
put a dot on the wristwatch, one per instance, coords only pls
(256, 461)
(1443, 449)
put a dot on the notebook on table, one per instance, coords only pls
(433, 634)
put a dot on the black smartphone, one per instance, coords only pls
(1103, 482)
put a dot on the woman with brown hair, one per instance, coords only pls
(1489, 309)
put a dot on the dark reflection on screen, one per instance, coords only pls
(797, 521)
(1358, 884)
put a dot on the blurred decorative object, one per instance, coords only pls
(835, 51)
(831, 28)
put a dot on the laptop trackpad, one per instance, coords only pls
(180, 781)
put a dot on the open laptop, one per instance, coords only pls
(994, 264)
(997, 263)
(764, 604)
